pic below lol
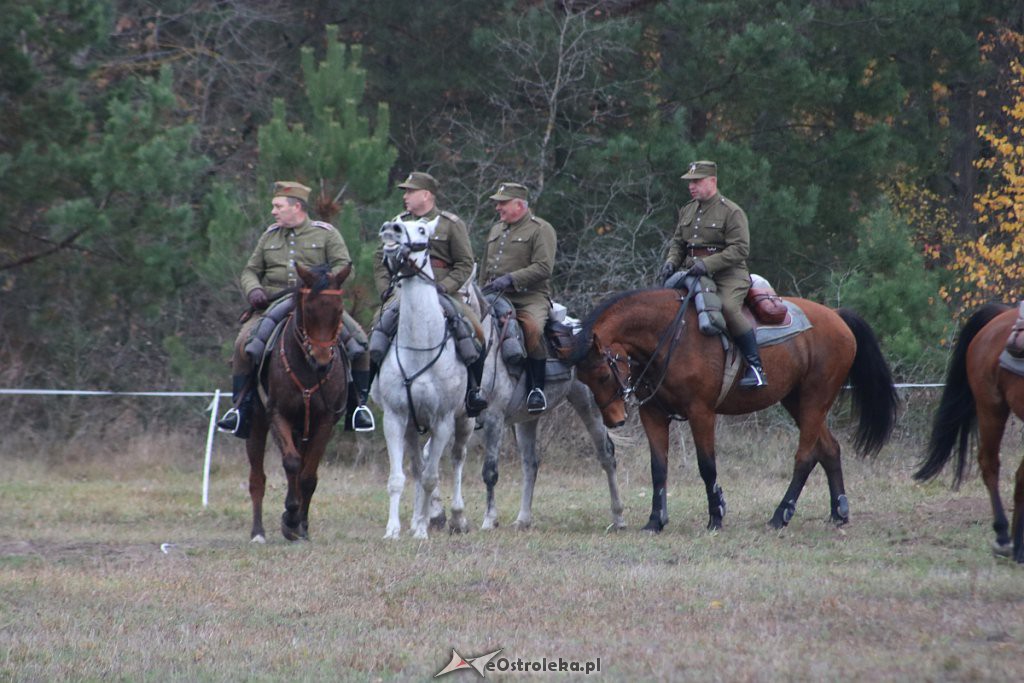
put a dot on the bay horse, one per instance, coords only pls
(507, 398)
(305, 395)
(642, 344)
(979, 394)
(421, 384)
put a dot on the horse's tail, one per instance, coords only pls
(956, 417)
(871, 382)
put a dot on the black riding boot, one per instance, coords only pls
(238, 419)
(362, 417)
(754, 376)
(536, 401)
(475, 402)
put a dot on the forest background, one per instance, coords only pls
(877, 147)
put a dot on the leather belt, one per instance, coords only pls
(702, 251)
(436, 262)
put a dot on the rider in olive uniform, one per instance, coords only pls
(451, 260)
(712, 239)
(293, 238)
(518, 263)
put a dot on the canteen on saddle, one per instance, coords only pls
(467, 344)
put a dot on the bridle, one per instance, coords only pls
(308, 344)
(628, 385)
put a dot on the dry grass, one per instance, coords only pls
(908, 591)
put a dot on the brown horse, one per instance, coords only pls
(642, 344)
(980, 394)
(306, 391)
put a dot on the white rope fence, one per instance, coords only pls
(211, 430)
(213, 409)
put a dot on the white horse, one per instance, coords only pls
(421, 384)
(506, 396)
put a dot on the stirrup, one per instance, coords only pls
(230, 422)
(754, 378)
(362, 419)
(475, 403)
(536, 402)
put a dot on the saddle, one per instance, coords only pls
(1015, 342)
(557, 334)
(468, 336)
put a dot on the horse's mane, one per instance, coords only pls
(322, 272)
(581, 340)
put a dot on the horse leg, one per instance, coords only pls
(396, 431)
(582, 401)
(811, 422)
(526, 440)
(458, 524)
(702, 427)
(255, 447)
(312, 453)
(991, 425)
(828, 454)
(436, 518)
(494, 434)
(441, 436)
(656, 426)
(292, 462)
(1018, 505)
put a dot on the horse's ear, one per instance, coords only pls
(341, 276)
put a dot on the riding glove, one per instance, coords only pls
(697, 269)
(499, 284)
(258, 299)
(666, 272)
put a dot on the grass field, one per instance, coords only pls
(908, 591)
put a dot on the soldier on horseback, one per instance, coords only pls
(712, 240)
(451, 258)
(293, 238)
(518, 263)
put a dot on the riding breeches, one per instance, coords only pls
(532, 318)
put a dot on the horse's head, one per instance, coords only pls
(319, 310)
(605, 369)
(406, 243)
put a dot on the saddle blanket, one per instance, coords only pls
(1008, 362)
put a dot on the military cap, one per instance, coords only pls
(419, 181)
(700, 169)
(507, 191)
(284, 188)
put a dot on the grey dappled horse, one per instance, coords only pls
(507, 398)
(421, 384)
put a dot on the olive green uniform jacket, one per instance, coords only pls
(311, 244)
(451, 254)
(526, 251)
(272, 267)
(718, 224)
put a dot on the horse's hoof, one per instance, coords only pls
(777, 523)
(1002, 549)
(489, 524)
(258, 538)
(653, 527)
(437, 523)
(458, 524)
(715, 524)
(392, 534)
(840, 521)
(617, 525)
(521, 525)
